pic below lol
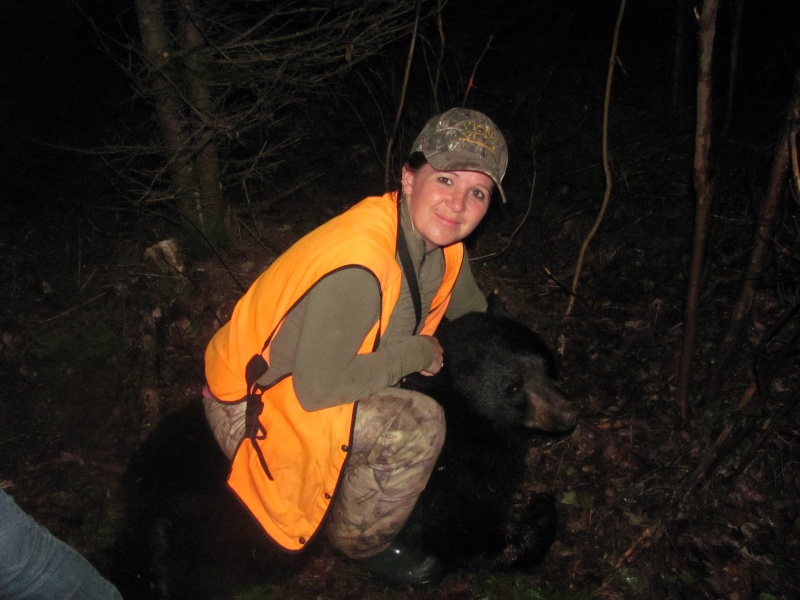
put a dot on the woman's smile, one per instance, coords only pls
(446, 206)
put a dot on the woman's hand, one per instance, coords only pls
(438, 357)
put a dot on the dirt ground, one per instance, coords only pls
(98, 340)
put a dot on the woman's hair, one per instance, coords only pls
(416, 161)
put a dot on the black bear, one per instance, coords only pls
(497, 387)
(186, 536)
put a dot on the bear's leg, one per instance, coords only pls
(526, 547)
(537, 530)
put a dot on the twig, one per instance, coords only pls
(401, 105)
(606, 169)
(694, 480)
(442, 46)
(769, 212)
(551, 276)
(74, 308)
(748, 457)
(494, 255)
(217, 254)
(471, 82)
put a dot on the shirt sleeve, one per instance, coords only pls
(339, 313)
(466, 296)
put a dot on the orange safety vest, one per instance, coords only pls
(286, 473)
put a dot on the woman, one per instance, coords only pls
(301, 380)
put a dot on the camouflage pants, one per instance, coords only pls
(227, 422)
(396, 440)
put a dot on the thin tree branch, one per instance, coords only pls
(606, 166)
(401, 104)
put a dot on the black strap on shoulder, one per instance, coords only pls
(408, 269)
(253, 429)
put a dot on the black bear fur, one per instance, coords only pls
(185, 534)
(497, 388)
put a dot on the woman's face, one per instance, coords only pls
(446, 206)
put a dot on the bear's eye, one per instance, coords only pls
(512, 387)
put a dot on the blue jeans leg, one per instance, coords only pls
(35, 565)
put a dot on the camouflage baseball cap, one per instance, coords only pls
(464, 140)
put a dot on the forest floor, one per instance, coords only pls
(98, 341)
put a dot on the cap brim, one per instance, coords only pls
(446, 161)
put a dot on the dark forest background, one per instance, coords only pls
(111, 286)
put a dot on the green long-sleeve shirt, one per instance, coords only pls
(319, 340)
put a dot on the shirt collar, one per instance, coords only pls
(416, 245)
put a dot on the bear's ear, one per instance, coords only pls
(496, 307)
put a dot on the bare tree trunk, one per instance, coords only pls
(704, 189)
(169, 113)
(219, 74)
(188, 141)
(206, 211)
(763, 240)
